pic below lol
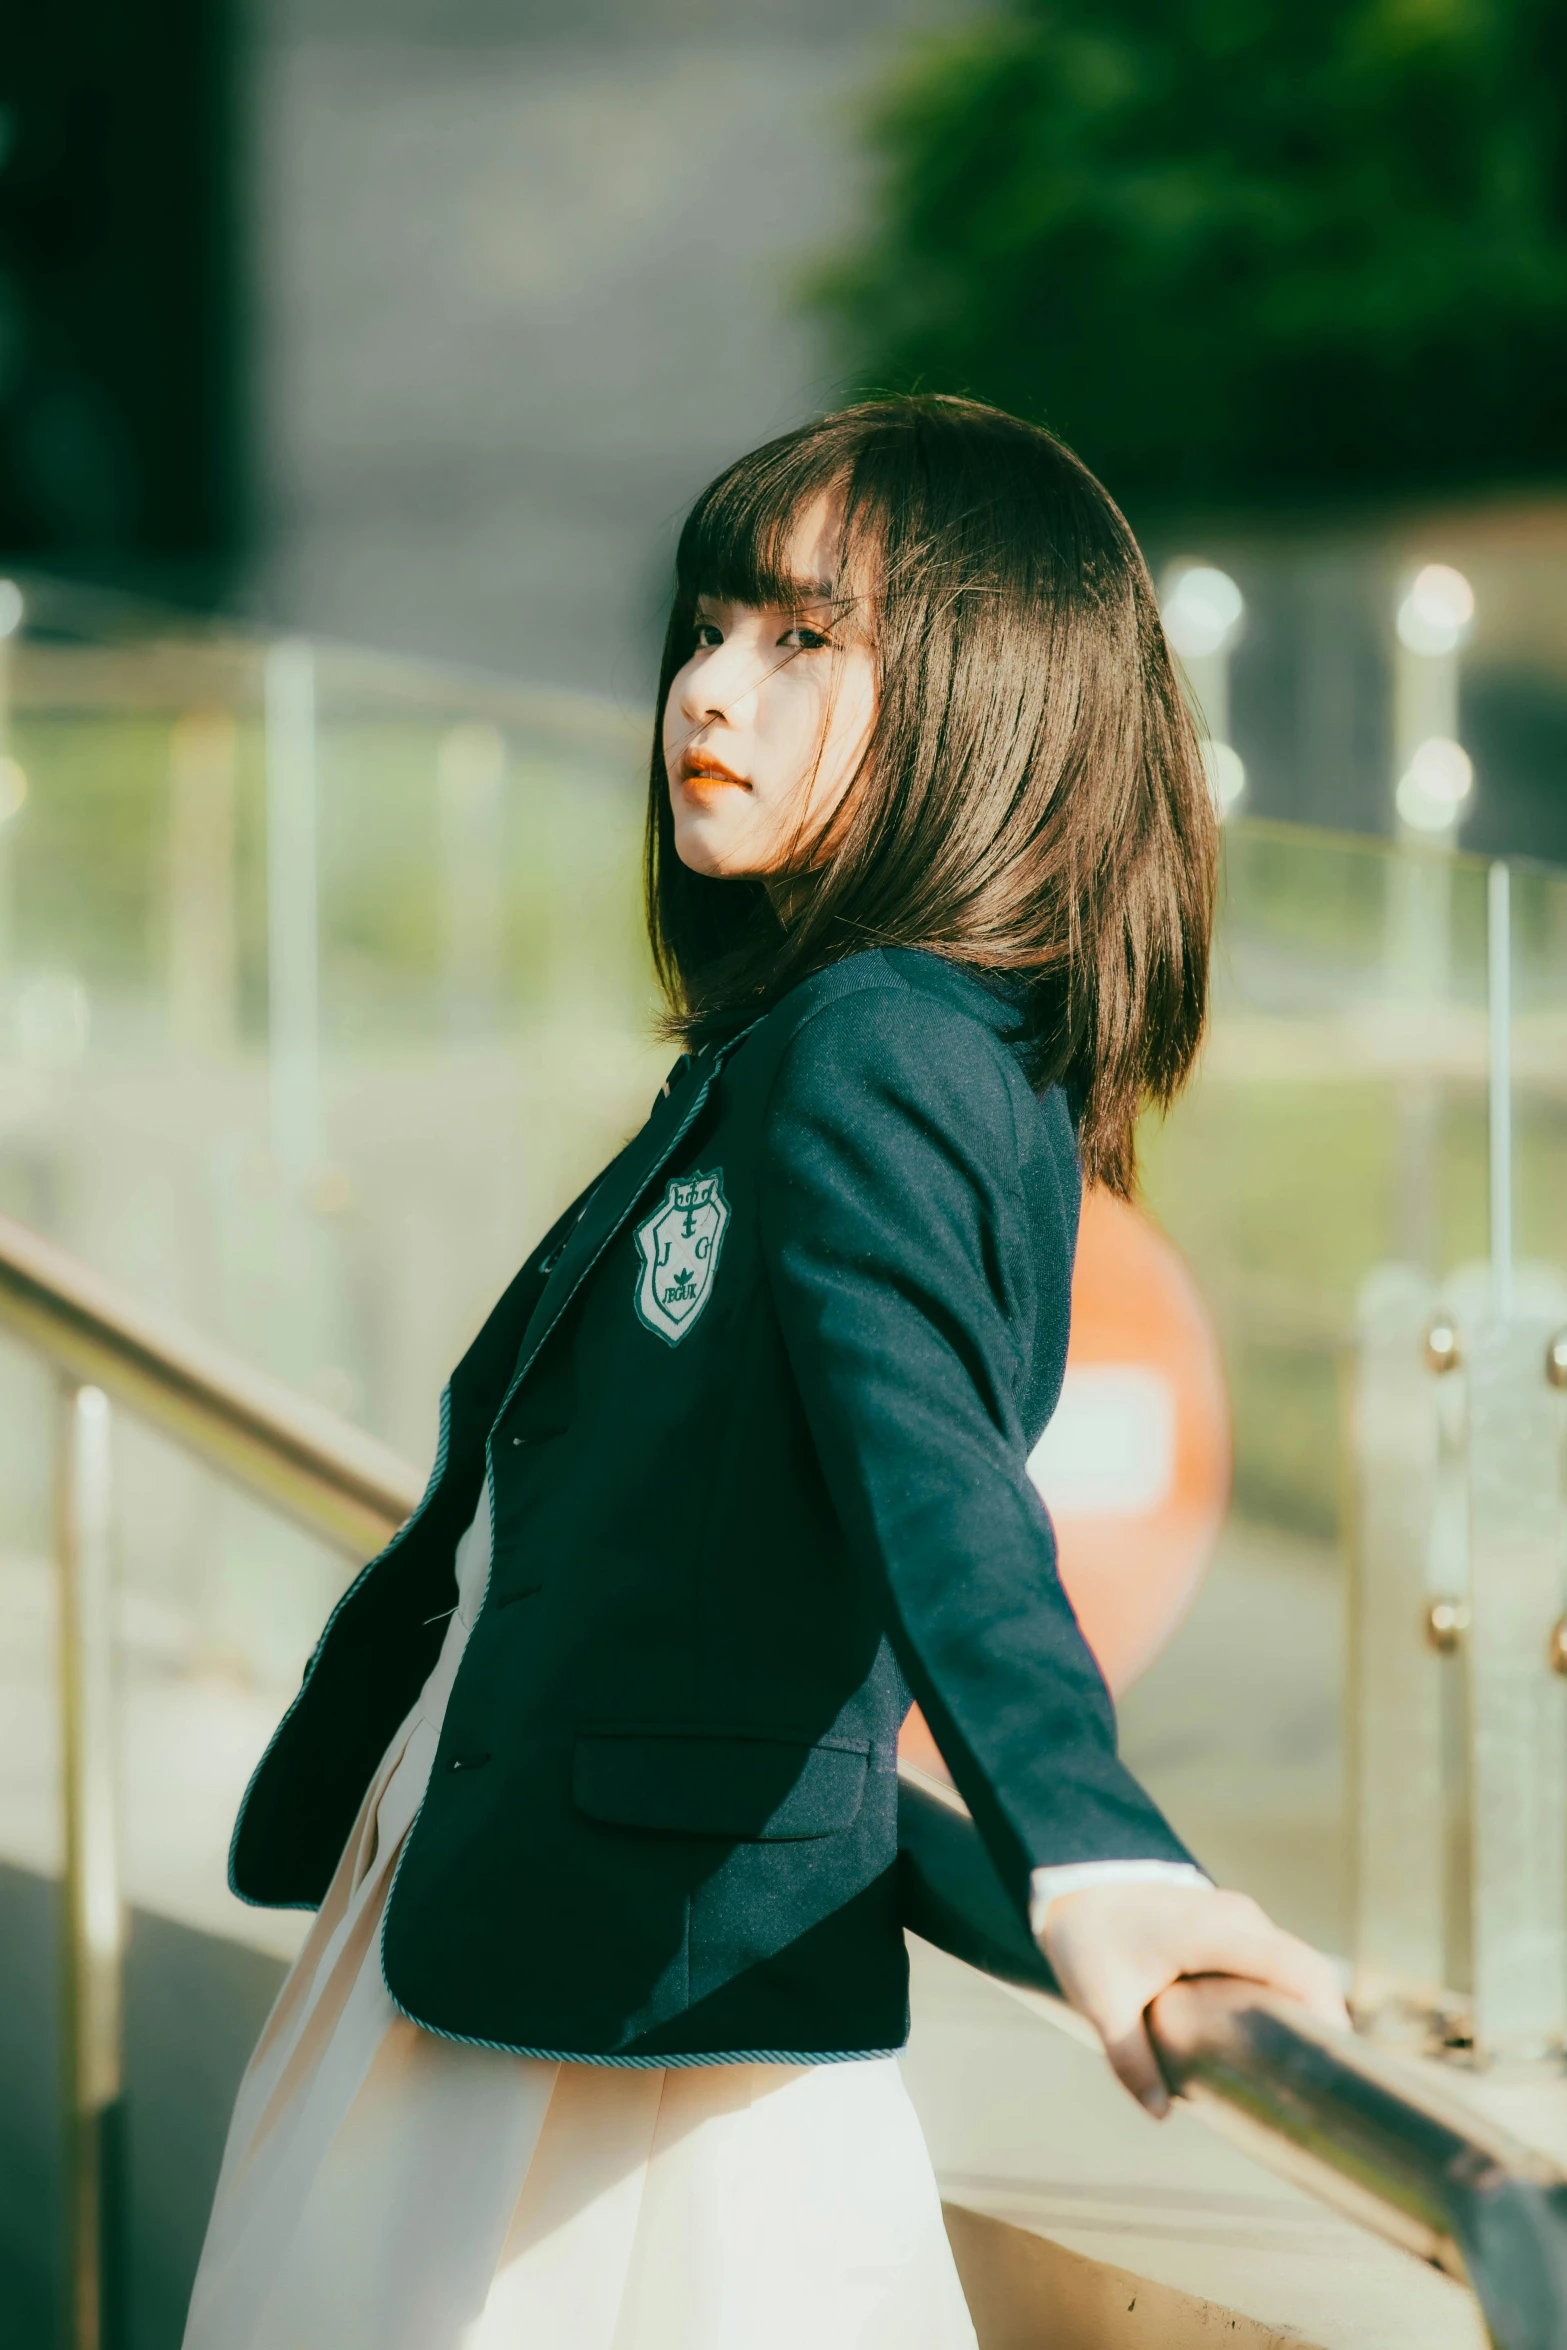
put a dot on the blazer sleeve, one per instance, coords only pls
(903, 1257)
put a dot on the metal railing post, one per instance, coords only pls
(1362, 2129)
(93, 1940)
(1517, 1705)
(1396, 1680)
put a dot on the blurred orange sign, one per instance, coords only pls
(1135, 1464)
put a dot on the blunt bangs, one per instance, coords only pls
(1031, 801)
(735, 544)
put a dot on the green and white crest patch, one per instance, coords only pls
(679, 1245)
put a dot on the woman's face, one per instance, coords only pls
(766, 723)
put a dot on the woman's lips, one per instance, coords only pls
(707, 775)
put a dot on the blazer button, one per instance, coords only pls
(468, 1762)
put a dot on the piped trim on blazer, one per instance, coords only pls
(529, 1357)
(673, 2062)
(648, 2064)
(568, 1289)
(573, 2055)
(442, 1447)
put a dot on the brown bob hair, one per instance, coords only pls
(1031, 801)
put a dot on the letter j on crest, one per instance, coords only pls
(679, 1244)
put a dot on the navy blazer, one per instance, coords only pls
(755, 1422)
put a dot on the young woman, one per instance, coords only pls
(591, 2046)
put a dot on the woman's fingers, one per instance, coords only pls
(1137, 2068)
(1113, 1996)
(1114, 1948)
(1243, 1941)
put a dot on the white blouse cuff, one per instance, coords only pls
(1047, 1885)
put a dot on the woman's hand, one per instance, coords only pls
(1114, 1948)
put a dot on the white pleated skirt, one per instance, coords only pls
(385, 2189)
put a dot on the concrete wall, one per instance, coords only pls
(528, 274)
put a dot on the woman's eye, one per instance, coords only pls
(805, 640)
(704, 636)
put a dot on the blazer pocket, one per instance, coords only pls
(717, 1783)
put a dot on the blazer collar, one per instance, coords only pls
(619, 1188)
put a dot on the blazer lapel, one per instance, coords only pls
(619, 1189)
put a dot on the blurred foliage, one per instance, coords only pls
(1232, 249)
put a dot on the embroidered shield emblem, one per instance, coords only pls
(679, 1245)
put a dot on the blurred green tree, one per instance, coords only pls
(1232, 249)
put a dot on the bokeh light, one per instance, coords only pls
(1226, 773)
(1435, 785)
(1203, 610)
(1436, 610)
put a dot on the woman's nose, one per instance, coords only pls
(715, 686)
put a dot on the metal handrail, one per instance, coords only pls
(1352, 2124)
(1363, 2131)
(1356, 2126)
(329, 1477)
